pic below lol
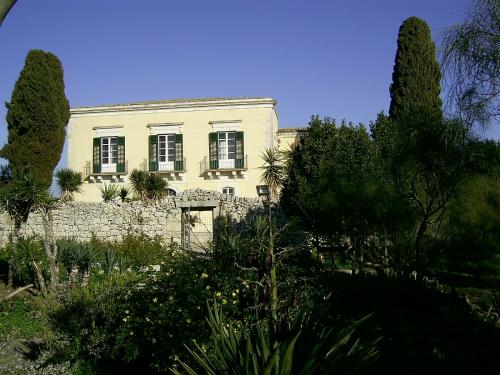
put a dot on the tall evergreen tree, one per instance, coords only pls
(37, 116)
(416, 78)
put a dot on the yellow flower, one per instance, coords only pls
(234, 294)
(155, 300)
(224, 301)
(218, 294)
(204, 275)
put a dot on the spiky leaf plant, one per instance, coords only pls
(68, 182)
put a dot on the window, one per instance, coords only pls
(226, 150)
(109, 155)
(228, 190)
(165, 152)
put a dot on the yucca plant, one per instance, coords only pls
(156, 187)
(109, 192)
(138, 180)
(272, 176)
(68, 182)
(311, 350)
(124, 194)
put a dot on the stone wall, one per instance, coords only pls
(111, 221)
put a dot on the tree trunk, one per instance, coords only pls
(419, 266)
(40, 278)
(13, 252)
(51, 248)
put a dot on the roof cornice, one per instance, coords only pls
(174, 104)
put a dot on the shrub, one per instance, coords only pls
(142, 319)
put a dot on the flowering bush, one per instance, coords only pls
(144, 319)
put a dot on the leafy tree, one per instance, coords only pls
(415, 85)
(5, 7)
(471, 57)
(424, 173)
(68, 182)
(470, 228)
(300, 193)
(350, 189)
(37, 116)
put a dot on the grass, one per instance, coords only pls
(20, 317)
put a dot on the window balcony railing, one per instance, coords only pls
(235, 167)
(178, 166)
(115, 171)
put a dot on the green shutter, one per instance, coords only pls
(153, 153)
(179, 162)
(120, 165)
(213, 150)
(96, 156)
(240, 152)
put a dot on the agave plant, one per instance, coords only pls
(68, 182)
(109, 192)
(311, 349)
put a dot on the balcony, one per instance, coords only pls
(111, 172)
(232, 168)
(172, 170)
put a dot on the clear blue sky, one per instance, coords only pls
(332, 58)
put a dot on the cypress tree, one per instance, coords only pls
(416, 78)
(37, 116)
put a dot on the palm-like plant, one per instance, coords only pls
(311, 349)
(18, 197)
(156, 187)
(138, 180)
(109, 192)
(68, 182)
(273, 171)
(124, 194)
(272, 175)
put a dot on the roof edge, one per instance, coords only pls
(175, 103)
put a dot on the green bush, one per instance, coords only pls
(142, 319)
(310, 349)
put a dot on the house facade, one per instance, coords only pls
(213, 143)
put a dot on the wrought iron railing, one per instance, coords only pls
(207, 165)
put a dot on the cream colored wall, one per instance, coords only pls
(286, 140)
(258, 122)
